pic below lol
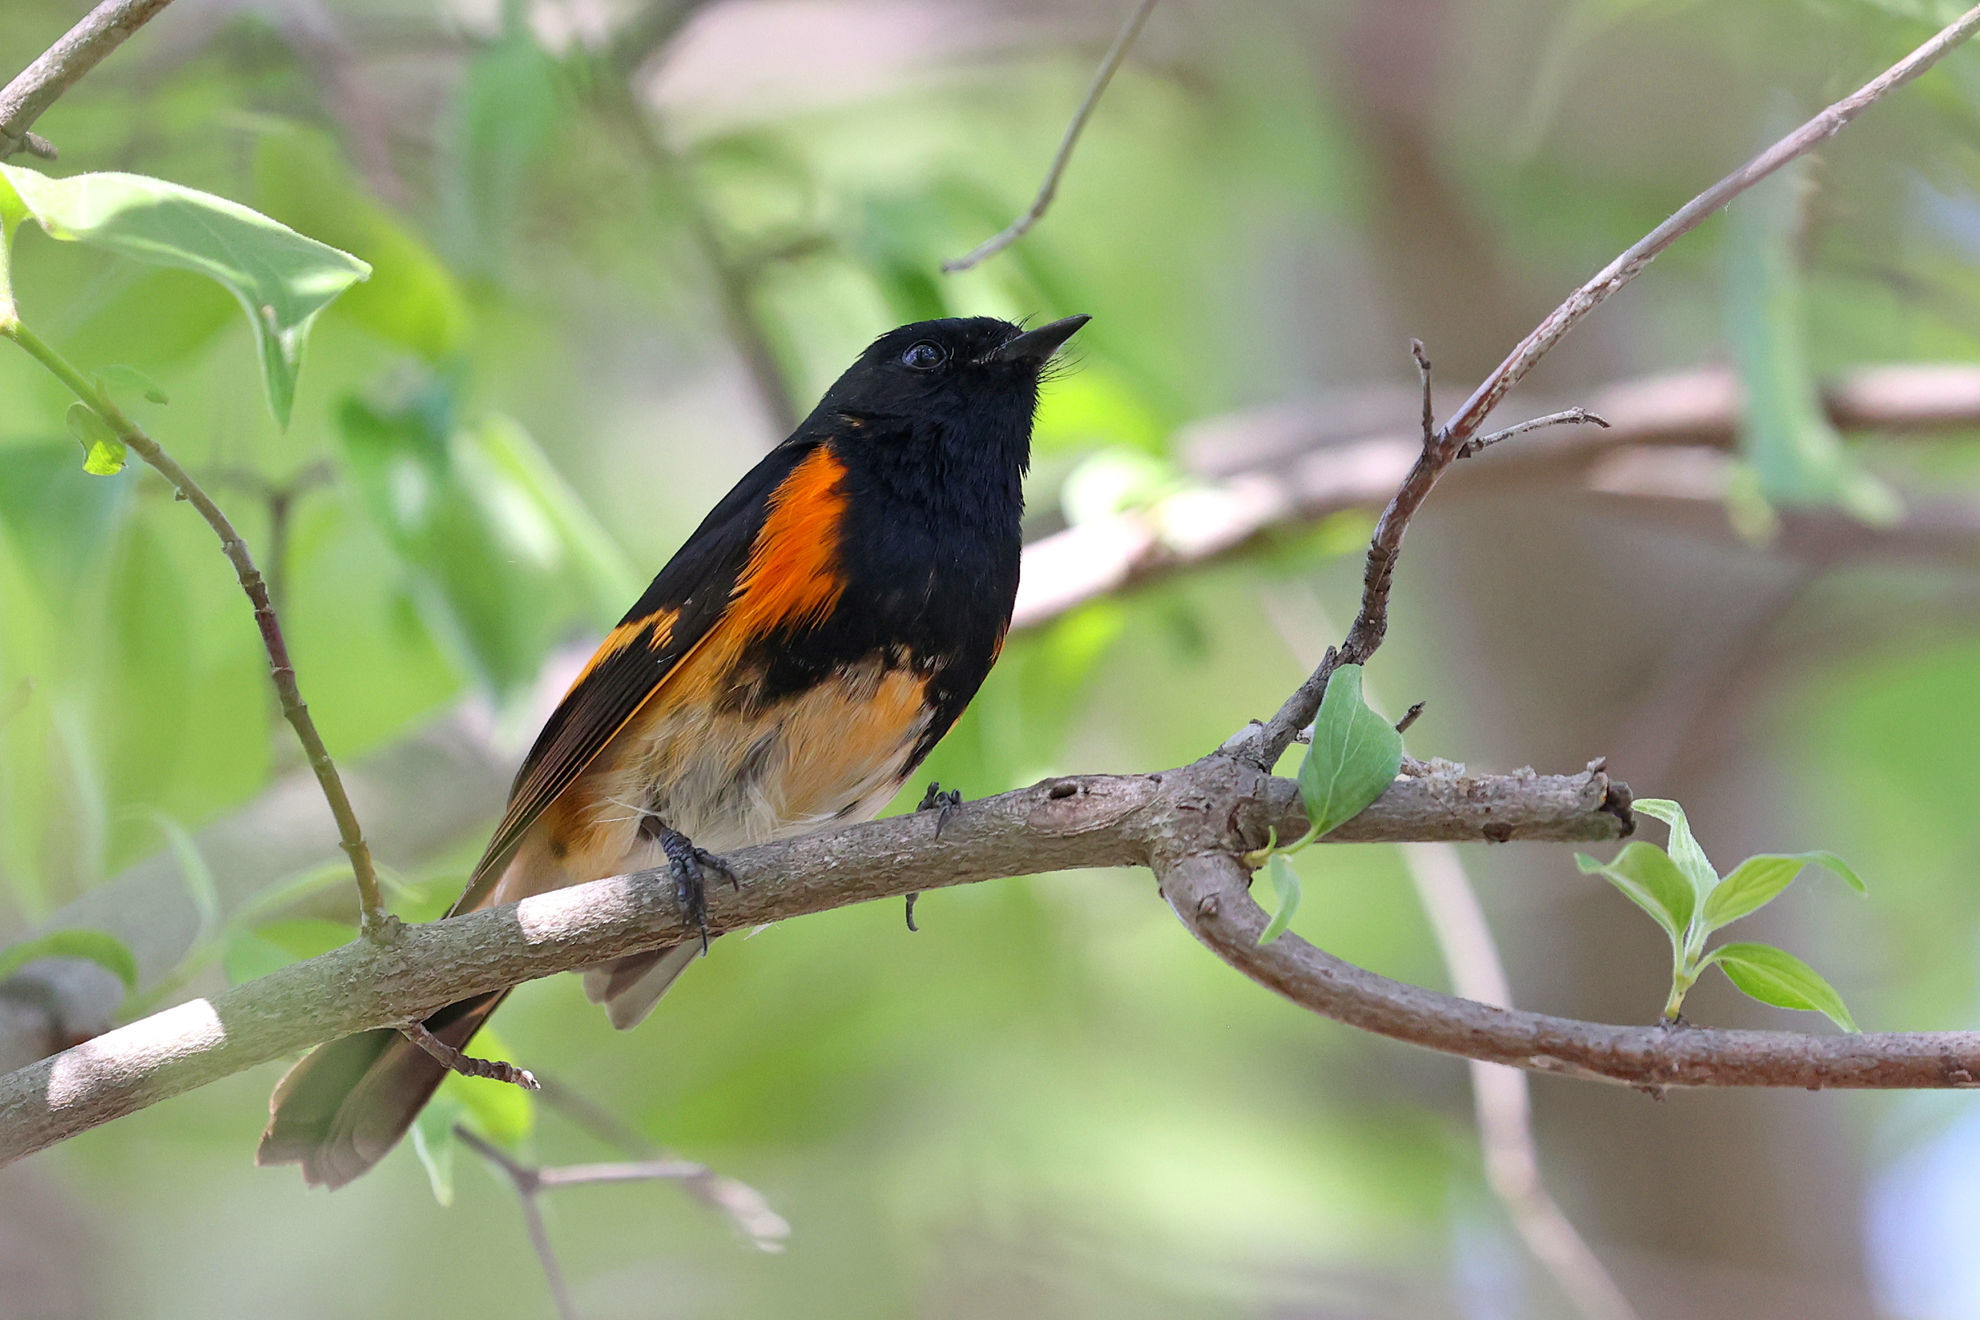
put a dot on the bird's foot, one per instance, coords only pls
(690, 866)
(935, 799)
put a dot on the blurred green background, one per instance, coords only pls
(617, 247)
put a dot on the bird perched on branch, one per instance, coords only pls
(787, 670)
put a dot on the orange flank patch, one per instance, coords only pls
(793, 577)
(660, 625)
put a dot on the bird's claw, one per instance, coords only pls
(690, 865)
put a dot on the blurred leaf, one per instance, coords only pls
(103, 452)
(1648, 877)
(435, 1144)
(1684, 849)
(503, 557)
(1796, 455)
(1114, 481)
(99, 947)
(1354, 756)
(411, 298)
(117, 375)
(1754, 883)
(281, 279)
(1775, 976)
(1285, 883)
(248, 954)
(198, 876)
(509, 111)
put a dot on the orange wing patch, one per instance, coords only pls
(659, 626)
(793, 577)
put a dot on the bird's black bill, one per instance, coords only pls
(1037, 345)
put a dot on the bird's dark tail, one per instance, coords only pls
(338, 1111)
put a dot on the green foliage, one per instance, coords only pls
(1690, 901)
(1775, 976)
(105, 950)
(501, 555)
(281, 279)
(103, 452)
(1794, 455)
(1354, 756)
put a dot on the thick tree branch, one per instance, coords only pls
(24, 99)
(1081, 821)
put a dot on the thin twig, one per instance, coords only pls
(1630, 264)
(1371, 622)
(1019, 227)
(765, 1228)
(455, 1060)
(528, 1183)
(1500, 1094)
(1565, 417)
(1422, 357)
(376, 922)
(80, 49)
(746, 1207)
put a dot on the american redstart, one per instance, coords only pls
(787, 670)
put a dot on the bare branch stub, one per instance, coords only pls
(454, 1060)
(1021, 226)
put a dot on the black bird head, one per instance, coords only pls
(965, 381)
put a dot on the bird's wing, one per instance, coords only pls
(758, 559)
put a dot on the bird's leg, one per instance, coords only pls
(935, 799)
(689, 865)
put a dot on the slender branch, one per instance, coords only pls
(1626, 267)
(1500, 1096)
(1444, 448)
(528, 1182)
(1565, 417)
(746, 1207)
(1084, 821)
(1021, 226)
(24, 99)
(1208, 891)
(377, 923)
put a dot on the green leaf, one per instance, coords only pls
(1684, 849)
(1354, 756)
(130, 377)
(435, 1144)
(280, 278)
(103, 452)
(1755, 882)
(1775, 976)
(1649, 878)
(1285, 882)
(99, 947)
(1795, 455)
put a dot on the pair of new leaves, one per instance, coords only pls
(1356, 753)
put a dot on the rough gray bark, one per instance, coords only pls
(1081, 821)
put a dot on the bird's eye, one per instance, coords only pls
(924, 356)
